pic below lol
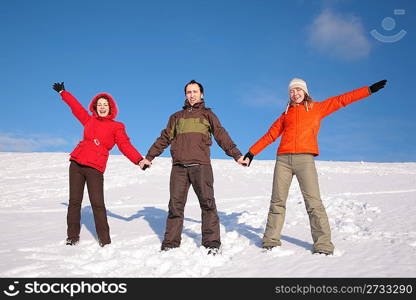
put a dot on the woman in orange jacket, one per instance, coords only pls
(299, 127)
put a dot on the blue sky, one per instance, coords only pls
(243, 52)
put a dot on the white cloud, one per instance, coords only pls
(23, 143)
(339, 36)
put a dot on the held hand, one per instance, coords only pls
(144, 164)
(248, 158)
(59, 87)
(247, 162)
(377, 86)
(242, 162)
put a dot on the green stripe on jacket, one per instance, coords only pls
(197, 125)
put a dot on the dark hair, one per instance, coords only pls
(94, 106)
(201, 88)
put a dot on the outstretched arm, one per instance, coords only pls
(78, 111)
(163, 141)
(332, 104)
(223, 139)
(123, 143)
(271, 135)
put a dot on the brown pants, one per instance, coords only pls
(201, 179)
(303, 166)
(78, 175)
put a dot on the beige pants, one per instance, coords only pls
(303, 166)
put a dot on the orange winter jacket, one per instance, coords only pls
(299, 127)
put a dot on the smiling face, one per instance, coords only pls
(103, 108)
(193, 93)
(297, 95)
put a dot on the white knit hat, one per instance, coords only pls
(298, 83)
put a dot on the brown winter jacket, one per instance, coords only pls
(189, 134)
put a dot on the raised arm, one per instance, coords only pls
(77, 109)
(332, 104)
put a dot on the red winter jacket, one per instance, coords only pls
(100, 134)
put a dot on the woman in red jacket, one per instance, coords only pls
(89, 159)
(299, 127)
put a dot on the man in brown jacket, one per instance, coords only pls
(189, 134)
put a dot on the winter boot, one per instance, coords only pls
(213, 251)
(166, 247)
(322, 252)
(269, 248)
(102, 244)
(72, 242)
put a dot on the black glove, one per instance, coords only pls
(376, 86)
(250, 157)
(59, 87)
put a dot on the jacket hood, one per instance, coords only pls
(113, 106)
(196, 105)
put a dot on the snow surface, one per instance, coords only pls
(371, 208)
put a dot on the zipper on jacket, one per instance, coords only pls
(296, 128)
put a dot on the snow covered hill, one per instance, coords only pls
(371, 208)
